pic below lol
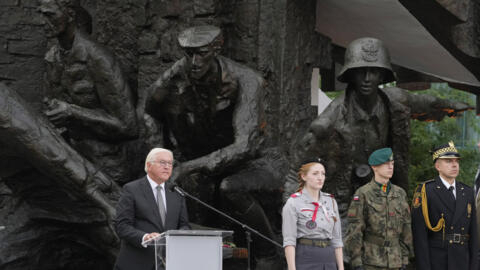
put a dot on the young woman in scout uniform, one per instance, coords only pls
(311, 229)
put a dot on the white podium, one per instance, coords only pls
(189, 249)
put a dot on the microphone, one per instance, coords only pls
(176, 188)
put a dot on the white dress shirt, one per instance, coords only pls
(447, 185)
(153, 186)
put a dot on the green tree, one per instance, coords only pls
(427, 135)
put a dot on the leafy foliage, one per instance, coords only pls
(427, 135)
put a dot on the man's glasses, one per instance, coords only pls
(163, 163)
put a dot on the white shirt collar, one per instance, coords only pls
(447, 185)
(154, 184)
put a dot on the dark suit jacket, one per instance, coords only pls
(431, 252)
(137, 214)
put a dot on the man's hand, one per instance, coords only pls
(150, 236)
(58, 112)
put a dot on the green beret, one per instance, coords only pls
(380, 156)
(198, 36)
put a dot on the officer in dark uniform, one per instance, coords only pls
(444, 217)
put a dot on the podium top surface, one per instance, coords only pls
(160, 239)
(197, 233)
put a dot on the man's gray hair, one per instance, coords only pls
(151, 155)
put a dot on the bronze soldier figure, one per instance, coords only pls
(61, 197)
(379, 234)
(210, 115)
(365, 118)
(89, 99)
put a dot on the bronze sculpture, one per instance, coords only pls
(212, 119)
(365, 118)
(88, 98)
(60, 194)
(61, 170)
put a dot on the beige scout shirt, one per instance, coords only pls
(299, 209)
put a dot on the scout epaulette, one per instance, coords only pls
(441, 222)
(296, 194)
(328, 195)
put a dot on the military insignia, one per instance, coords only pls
(369, 51)
(311, 224)
(356, 198)
(391, 214)
(417, 200)
(469, 210)
(352, 212)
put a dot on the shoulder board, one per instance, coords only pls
(419, 185)
(328, 194)
(296, 194)
(428, 181)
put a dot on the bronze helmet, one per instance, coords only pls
(199, 36)
(367, 52)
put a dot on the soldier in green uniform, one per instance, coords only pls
(378, 233)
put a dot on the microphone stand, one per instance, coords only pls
(248, 230)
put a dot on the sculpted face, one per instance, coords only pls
(366, 79)
(200, 60)
(315, 177)
(448, 168)
(56, 19)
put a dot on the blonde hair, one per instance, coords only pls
(151, 155)
(303, 171)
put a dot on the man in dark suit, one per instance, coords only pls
(146, 209)
(444, 218)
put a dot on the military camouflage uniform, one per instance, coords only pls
(379, 234)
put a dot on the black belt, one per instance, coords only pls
(314, 242)
(452, 238)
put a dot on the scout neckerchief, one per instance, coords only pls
(311, 224)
